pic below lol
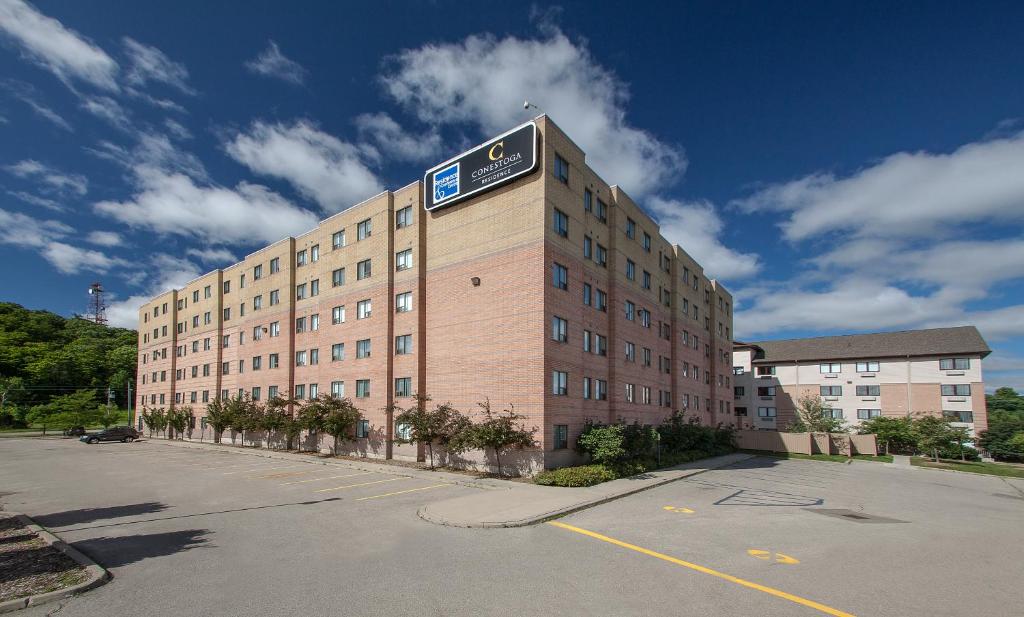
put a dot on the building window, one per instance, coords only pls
(831, 390)
(600, 345)
(630, 311)
(645, 395)
(602, 211)
(275, 265)
(337, 389)
(338, 239)
(275, 297)
(403, 302)
(403, 218)
(338, 315)
(561, 169)
(739, 391)
(337, 352)
(630, 228)
(830, 367)
(363, 309)
(559, 276)
(867, 367)
(764, 371)
(588, 200)
(257, 363)
(630, 270)
(275, 329)
(225, 341)
(559, 329)
(256, 393)
(561, 441)
(363, 269)
(300, 391)
(403, 344)
(956, 389)
(630, 393)
(300, 358)
(737, 370)
(765, 412)
(646, 284)
(647, 242)
(362, 429)
(561, 223)
(363, 348)
(314, 253)
(869, 390)
(954, 364)
(403, 260)
(403, 386)
(362, 388)
(588, 247)
(559, 383)
(586, 387)
(273, 361)
(645, 318)
(741, 411)
(300, 292)
(959, 416)
(835, 414)
(364, 229)
(403, 431)
(630, 352)
(600, 390)
(314, 322)
(300, 258)
(601, 256)
(867, 414)
(587, 334)
(766, 391)
(587, 294)
(300, 325)
(257, 303)
(600, 300)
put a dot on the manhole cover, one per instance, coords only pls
(851, 515)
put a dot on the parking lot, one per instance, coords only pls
(209, 532)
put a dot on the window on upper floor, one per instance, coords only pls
(561, 169)
(957, 364)
(559, 276)
(956, 389)
(403, 217)
(867, 367)
(364, 229)
(560, 224)
(630, 228)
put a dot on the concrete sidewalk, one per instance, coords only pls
(362, 465)
(527, 504)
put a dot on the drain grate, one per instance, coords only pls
(851, 515)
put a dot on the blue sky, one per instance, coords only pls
(842, 167)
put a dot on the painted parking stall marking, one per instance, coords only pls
(348, 475)
(774, 557)
(678, 509)
(345, 486)
(411, 490)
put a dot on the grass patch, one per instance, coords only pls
(991, 469)
(833, 458)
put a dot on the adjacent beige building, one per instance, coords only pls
(859, 376)
(554, 293)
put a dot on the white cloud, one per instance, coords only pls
(483, 81)
(53, 181)
(163, 273)
(71, 259)
(697, 228)
(172, 203)
(905, 194)
(272, 63)
(149, 64)
(105, 238)
(177, 129)
(212, 255)
(27, 94)
(152, 151)
(36, 200)
(62, 51)
(390, 140)
(46, 237)
(320, 166)
(106, 108)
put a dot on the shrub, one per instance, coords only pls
(602, 443)
(586, 475)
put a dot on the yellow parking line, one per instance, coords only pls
(686, 564)
(348, 475)
(412, 490)
(338, 488)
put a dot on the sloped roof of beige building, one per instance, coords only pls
(961, 340)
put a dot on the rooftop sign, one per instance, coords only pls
(485, 167)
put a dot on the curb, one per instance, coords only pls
(97, 575)
(576, 507)
(394, 470)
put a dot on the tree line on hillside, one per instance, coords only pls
(927, 433)
(441, 425)
(44, 356)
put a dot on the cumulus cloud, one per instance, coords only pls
(163, 273)
(905, 194)
(173, 203)
(46, 237)
(149, 64)
(390, 140)
(697, 228)
(51, 180)
(62, 51)
(72, 259)
(321, 167)
(272, 63)
(212, 255)
(105, 238)
(483, 80)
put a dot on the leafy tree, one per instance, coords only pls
(311, 416)
(440, 425)
(603, 443)
(157, 421)
(814, 416)
(933, 434)
(108, 416)
(179, 419)
(896, 434)
(1005, 399)
(499, 432)
(276, 417)
(340, 419)
(1000, 438)
(218, 416)
(147, 418)
(12, 393)
(242, 413)
(960, 435)
(292, 429)
(67, 411)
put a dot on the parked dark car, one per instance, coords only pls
(118, 433)
(75, 431)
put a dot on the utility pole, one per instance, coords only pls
(131, 420)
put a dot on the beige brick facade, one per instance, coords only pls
(483, 302)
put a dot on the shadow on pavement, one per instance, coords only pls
(198, 514)
(88, 515)
(116, 551)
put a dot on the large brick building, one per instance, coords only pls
(553, 292)
(860, 376)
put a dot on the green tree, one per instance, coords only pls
(340, 419)
(158, 421)
(311, 416)
(12, 393)
(108, 416)
(895, 434)
(814, 416)
(441, 425)
(179, 419)
(276, 417)
(241, 412)
(933, 434)
(1005, 399)
(1003, 426)
(147, 418)
(218, 416)
(498, 432)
